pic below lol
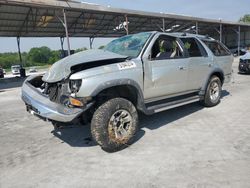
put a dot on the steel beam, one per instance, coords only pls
(66, 30)
(62, 41)
(197, 28)
(126, 28)
(163, 25)
(19, 51)
(91, 40)
(238, 40)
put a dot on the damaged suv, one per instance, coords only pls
(148, 72)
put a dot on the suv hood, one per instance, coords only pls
(62, 68)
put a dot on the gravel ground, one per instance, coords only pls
(189, 146)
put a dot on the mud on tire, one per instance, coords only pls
(114, 124)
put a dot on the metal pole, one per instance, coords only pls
(62, 41)
(91, 40)
(66, 30)
(126, 17)
(19, 51)
(163, 25)
(220, 32)
(238, 40)
(197, 28)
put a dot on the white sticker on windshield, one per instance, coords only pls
(126, 65)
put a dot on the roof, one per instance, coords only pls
(37, 18)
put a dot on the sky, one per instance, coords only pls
(230, 10)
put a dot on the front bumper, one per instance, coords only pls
(40, 105)
(244, 67)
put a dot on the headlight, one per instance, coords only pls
(75, 85)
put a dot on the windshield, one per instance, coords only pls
(130, 45)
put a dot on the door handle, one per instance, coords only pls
(209, 64)
(182, 68)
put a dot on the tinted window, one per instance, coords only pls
(194, 48)
(217, 48)
(166, 48)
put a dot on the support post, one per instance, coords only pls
(91, 40)
(197, 28)
(163, 25)
(66, 30)
(238, 40)
(126, 28)
(19, 51)
(220, 32)
(62, 41)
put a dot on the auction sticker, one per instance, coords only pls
(126, 65)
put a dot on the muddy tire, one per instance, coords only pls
(114, 124)
(213, 92)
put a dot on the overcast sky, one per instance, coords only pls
(230, 10)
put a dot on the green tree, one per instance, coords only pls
(39, 55)
(245, 18)
(81, 49)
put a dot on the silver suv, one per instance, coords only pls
(148, 72)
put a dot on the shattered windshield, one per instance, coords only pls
(130, 45)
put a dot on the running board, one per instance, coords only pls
(173, 104)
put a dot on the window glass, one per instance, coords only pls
(129, 45)
(166, 48)
(193, 47)
(216, 48)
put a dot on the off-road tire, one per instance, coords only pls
(208, 101)
(101, 130)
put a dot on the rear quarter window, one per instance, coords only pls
(217, 48)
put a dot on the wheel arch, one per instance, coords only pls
(126, 88)
(216, 72)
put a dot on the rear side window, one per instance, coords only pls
(217, 48)
(194, 48)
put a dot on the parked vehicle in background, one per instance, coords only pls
(32, 69)
(234, 51)
(148, 72)
(15, 69)
(244, 64)
(1, 73)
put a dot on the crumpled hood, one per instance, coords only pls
(246, 56)
(62, 68)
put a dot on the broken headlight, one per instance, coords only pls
(75, 85)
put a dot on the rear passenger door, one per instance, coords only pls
(199, 63)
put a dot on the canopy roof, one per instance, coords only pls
(37, 18)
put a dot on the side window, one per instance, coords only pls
(166, 48)
(194, 48)
(217, 48)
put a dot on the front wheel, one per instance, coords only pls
(213, 92)
(114, 124)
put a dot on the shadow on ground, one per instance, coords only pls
(80, 136)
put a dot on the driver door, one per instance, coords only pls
(167, 75)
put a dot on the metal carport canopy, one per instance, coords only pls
(37, 18)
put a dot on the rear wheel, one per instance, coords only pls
(213, 92)
(114, 124)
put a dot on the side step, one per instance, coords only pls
(173, 104)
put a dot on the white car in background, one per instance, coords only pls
(15, 69)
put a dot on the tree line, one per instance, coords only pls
(35, 57)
